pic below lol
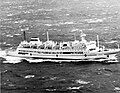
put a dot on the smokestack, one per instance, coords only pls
(24, 35)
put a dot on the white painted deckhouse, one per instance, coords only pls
(72, 50)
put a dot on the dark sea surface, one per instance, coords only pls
(49, 77)
(61, 18)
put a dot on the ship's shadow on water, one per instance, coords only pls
(55, 77)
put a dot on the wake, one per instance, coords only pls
(9, 59)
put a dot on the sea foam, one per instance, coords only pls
(9, 59)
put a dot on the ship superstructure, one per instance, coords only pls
(72, 50)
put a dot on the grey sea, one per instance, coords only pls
(49, 77)
(62, 19)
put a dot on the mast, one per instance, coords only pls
(118, 46)
(98, 45)
(83, 37)
(47, 36)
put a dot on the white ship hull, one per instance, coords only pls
(92, 56)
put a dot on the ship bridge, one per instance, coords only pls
(35, 40)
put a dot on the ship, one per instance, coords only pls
(70, 51)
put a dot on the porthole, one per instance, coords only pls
(56, 55)
(85, 55)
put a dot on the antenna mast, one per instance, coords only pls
(98, 45)
(83, 36)
(118, 46)
(47, 36)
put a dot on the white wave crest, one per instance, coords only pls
(34, 60)
(9, 59)
(13, 60)
(29, 76)
(2, 53)
(72, 88)
(81, 82)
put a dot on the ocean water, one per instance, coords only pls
(62, 19)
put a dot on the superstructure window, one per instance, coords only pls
(78, 52)
(67, 52)
(92, 49)
(22, 53)
(39, 52)
(33, 40)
